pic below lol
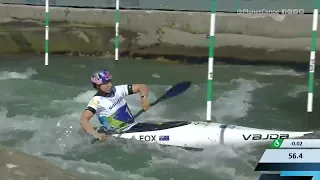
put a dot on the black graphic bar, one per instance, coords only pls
(278, 177)
(288, 167)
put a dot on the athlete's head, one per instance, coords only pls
(102, 81)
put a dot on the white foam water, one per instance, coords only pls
(98, 171)
(218, 161)
(232, 104)
(280, 72)
(296, 90)
(59, 135)
(155, 75)
(17, 75)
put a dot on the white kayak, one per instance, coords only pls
(203, 134)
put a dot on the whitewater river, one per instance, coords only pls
(40, 108)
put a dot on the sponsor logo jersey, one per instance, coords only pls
(112, 109)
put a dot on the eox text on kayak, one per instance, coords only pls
(265, 137)
(147, 137)
(151, 138)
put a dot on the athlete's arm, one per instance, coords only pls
(140, 88)
(125, 90)
(84, 121)
(88, 114)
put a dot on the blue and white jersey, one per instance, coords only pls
(112, 109)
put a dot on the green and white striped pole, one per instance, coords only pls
(47, 34)
(313, 55)
(117, 31)
(211, 60)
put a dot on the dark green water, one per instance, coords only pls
(40, 108)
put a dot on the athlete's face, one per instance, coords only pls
(106, 87)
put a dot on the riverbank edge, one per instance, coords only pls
(19, 165)
(163, 35)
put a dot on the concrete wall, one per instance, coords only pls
(192, 5)
(157, 33)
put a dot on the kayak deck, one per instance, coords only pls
(201, 134)
(142, 127)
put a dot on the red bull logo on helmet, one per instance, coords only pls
(107, 75)
(101, 78)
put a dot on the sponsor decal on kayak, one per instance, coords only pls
(163, 138)
(264, 137)
(148, 138)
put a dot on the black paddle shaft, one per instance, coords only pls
(172, 92)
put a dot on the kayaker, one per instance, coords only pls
(109, 105)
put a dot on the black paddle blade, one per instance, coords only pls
(178, 89)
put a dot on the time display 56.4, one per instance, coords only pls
(295, 156)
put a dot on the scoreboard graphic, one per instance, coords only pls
(296, 159)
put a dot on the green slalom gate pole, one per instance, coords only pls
(313, 55)
(117, 31)
(47, 34)
(211, 58)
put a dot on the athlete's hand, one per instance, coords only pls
(145, 103)
(100, 136)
